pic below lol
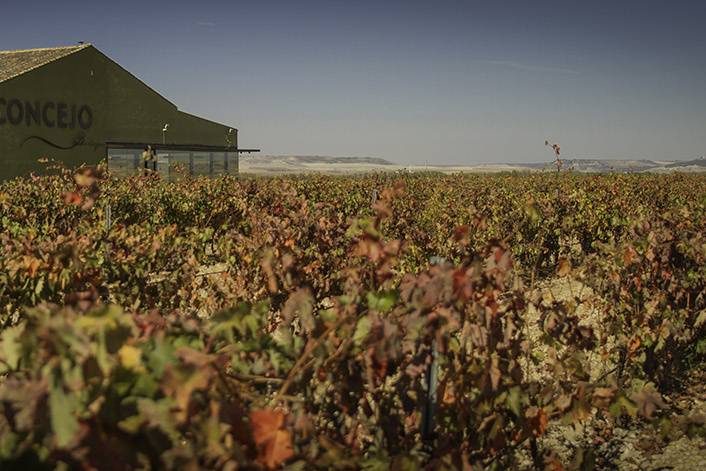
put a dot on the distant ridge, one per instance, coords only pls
(700, 162)
(319, 159)
(602, 165)
(621, 165)
(294, 164)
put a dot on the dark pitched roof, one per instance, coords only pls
(14, 63)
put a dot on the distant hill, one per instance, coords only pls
(280, 164)
(600, 165)
(700, 162)
(622, 165)
(283, 164)
(317, 159)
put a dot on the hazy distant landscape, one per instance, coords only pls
(286, 164)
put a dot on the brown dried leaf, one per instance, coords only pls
(648, 401)
(538, 420)
(274, 445)
(564, 267)
(495, 373)
(300, 304)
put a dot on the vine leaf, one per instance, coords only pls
(648, 401)
(538, 420)
(130, 357)
(274, 444)
(300, 304)
(362, 330)
(383, 301)
(564, 267)
(701, 319)
(64, 423)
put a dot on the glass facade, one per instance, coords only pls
(173, 163)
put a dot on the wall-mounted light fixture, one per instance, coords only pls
(228, 139)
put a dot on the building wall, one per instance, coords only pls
(79, 103)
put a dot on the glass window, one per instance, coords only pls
(123, 162)
(201, 164)
(172, 163)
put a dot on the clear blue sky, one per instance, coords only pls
(442, 81)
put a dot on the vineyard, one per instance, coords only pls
(388, 321)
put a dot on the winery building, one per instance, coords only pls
(75, 105)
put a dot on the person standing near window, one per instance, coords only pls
(150, 159)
